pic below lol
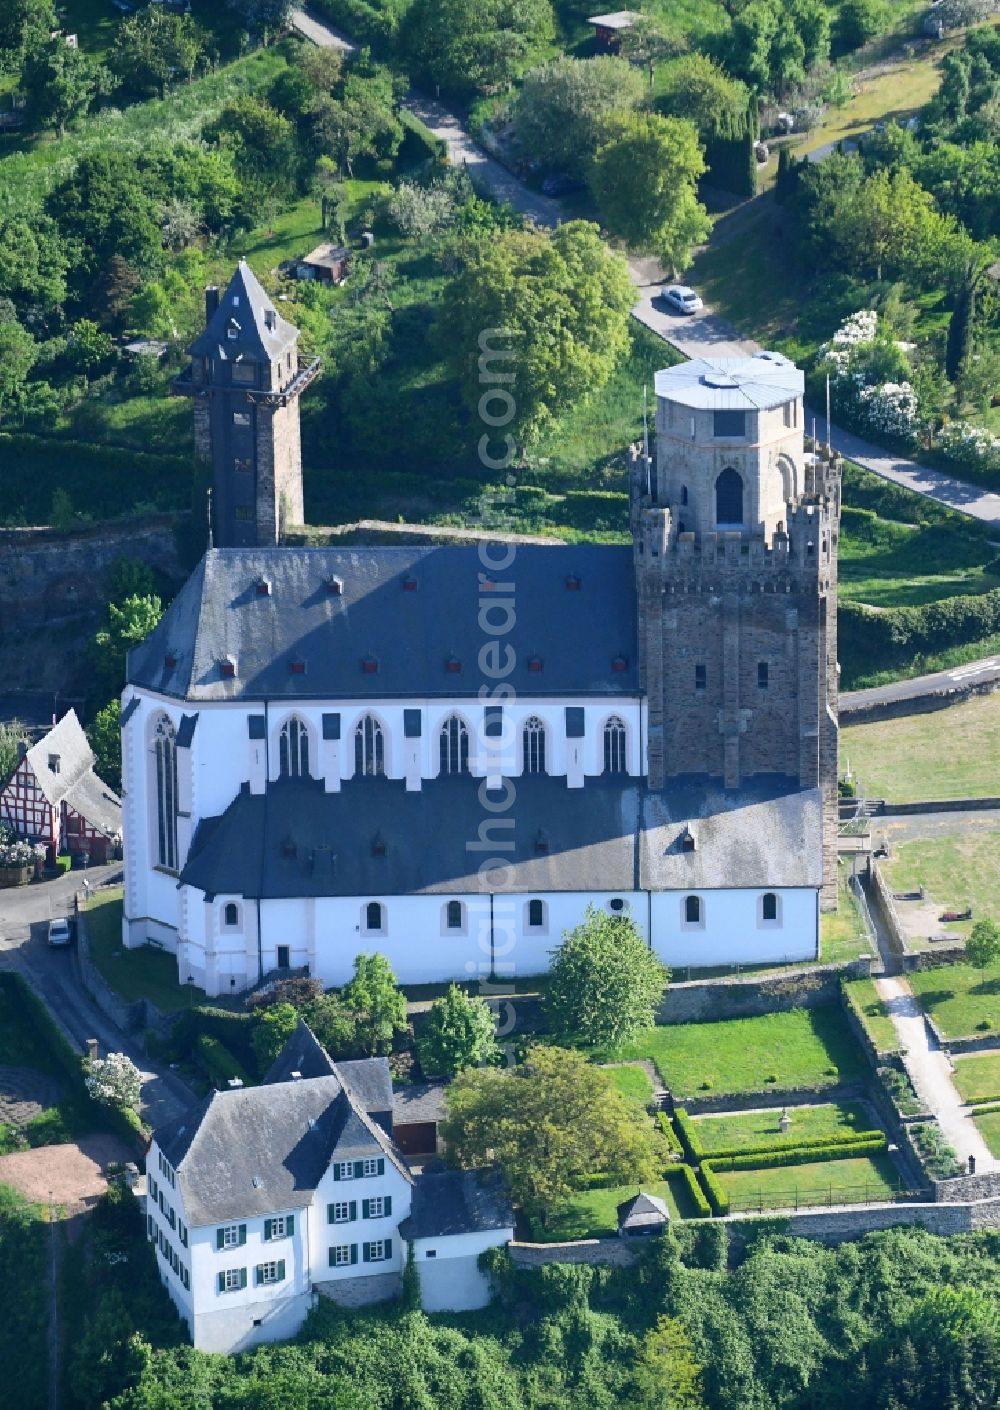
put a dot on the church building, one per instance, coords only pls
(447, 753)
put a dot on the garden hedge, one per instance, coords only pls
(893, 636)
(799, 1155)
(717, 1197)
(688, 1134)
(233, 1031)
(814, 1143)
(684, 1175)
(672, 1142)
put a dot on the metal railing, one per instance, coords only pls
(823, 1197)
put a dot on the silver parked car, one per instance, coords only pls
(681, 299)
(60, 933)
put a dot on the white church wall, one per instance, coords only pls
(731, 930)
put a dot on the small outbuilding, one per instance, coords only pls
(642, 1216)
(326, 263)
(456, 1215)
(416, 1111)
(608, 29)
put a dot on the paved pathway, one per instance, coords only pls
(693, 336)
(980, 672)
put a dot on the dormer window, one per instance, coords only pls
(233, 330)
(573, 583)
(262, 587)
(54, 763)
(369, 665)
(453, 666)
(270, 319)
(335, 586)
(688, 841)
(378, 845)
(409, 583)
(535, 663)
(619, 664)
(227, 667)
(541, 843)
(170, 661)
(297, 667)
(288, 848)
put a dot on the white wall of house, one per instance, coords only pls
(732, 929)
(450, 1278)
(357, 1231)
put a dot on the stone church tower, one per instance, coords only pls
(735, 534)
(245, 379)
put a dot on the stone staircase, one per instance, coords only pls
(363, 1291)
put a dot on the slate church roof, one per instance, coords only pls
(297, 840)
(393, 622)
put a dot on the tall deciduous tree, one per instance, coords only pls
(983, 945)
(24, 23)
(129, 622)
(562, 107)
(459, 1032)
(644, 178)
(546, 316)
(18, 355)
(552, 1125)
(377, 1002)
(154, 46)
(604, 981)
(465, 45)
(696, 88)
(12, 732)
(667, 1376)
(59, 82)
(32, 261)
(104, 734)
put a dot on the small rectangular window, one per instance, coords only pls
(341, 1212)
(229, 1236)
(233, 1279)
(276, 1228)
(244, 372)
(243, 514)
(762, 675)
(371, 1167)
(789, 410)
(340, 1256)
(729, 425)
(375, 1208)
(267, 1273)
(700, 677)
(243, 464)
(241, 418)
(345, 1170)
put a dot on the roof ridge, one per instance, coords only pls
(374, 1129)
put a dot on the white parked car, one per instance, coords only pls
(682, 299)
(59, 932)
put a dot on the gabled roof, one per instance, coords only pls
(457, 1202)
(261, 333)
(62, 763)
(262, 1150)
(642, 1211)
(411, 614)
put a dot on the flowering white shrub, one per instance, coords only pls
(890, 409)
(972, 446)
(115, 1081)
(886, 408)
(15, 853)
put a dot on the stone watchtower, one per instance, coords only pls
(735, 534)
(245, 379)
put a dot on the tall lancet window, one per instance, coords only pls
(369, 747)
(533, 743)
(454, 746)
(165, 756)
(293, 749)
(614, 746)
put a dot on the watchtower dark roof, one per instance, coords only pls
(245, 325)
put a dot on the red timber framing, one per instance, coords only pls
(59, 826)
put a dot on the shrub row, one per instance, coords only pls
(717, 1197)
(376, 25)
(668, 1131)
(815, 1143)
(419, 142)
(108, 482)
(869, 1144)
(218, 1061)
(893, 636)
(685, 1129)
(684, 1175)
(232, 1030)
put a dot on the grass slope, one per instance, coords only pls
(801, 1048)
(592, 1214)
(145, 973)
(977, 1076)
(959, 997)
(989, 1128)
(953, 753)
(740, 1130)
(874, 1015)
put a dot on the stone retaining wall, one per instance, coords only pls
(704, 1000)
(969, 1187)
(614, 1252)
(942, 805)
(835, 1226)
(940, 699)
(749, 1101)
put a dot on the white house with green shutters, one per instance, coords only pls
(264, 1197)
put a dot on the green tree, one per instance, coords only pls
(362, 122)
(983, 945)
(153, 46)
(666, 1374)
(644, 179)
(102, 210)
(32, 261)
(469, 45)
(262, 16)
(88, 347)
(459, 1032)
(272, 1029)
(604, 981)
(553, 311)
(377, 1002)
(562, 108)
(12, 733)
(129, 622)
(104, 734)
(23, 24)
(59, 82)
(648, 42)
(335, 1025)
(696, 88)
(18, 355)
(262, 142)
(553, 1125)
(861, 20)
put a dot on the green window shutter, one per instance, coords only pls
(267, 1229)
(281, 1270)
(387, 1206)
(329, 1214)
(353, 1209)
(330, 1258)
(381, 1165)
(219, 1239)
(336, 1169)
(222, 1282)
(243, 1234)
(365, 1207)
(366, 1252)
(243, 1277)
(258, 1275)
(354, 1253)
(359, 1169)
(388, 1248)
(290, 1225)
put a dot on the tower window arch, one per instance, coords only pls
(165, 758)
(533, 743)
(454, 746)
(374, 918)
(693, 910)
(769, 909)
(614, 746)
(729, 499)
(293, 749)
(231, 914)
(369, 747)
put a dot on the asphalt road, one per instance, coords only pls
(973, 672)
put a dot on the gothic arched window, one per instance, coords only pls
(533, 741)
(614, 746)
(293, 749)
(692, 910)
(369, 747)
(729, 499)
(373, 916)
(165, 753)
(454, 745)
(232, 914)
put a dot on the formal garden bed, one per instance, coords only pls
(761, 1130)
(858, 1179)
(592, 1214)
(977, 1077)
(809, 1049)
(962, 1000)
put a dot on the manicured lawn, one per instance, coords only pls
(593, 1213)
(802, 1048)
(741, 1130)
(977, 1077)
(874, 1015)
(632, 1082)
(952, 753)
(134, 974)
(850, 1181)
(959, 997)
(956, 870)
(989, 1128)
